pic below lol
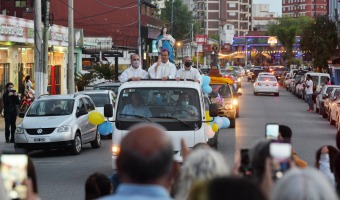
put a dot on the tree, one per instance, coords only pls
(320, 39)
(83, 80)
(182, 19)
(286, 29)
(105, 70)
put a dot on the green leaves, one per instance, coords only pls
(320, 39)
(104, 70)
(83, 80)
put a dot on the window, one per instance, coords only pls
(232, 14)
(232, 5)
(20, 3)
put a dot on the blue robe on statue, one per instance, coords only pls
(167, 45)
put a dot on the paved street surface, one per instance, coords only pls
(62, 176)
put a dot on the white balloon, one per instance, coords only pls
(209, 132)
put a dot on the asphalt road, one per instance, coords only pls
(62, 176)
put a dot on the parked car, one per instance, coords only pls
(333, 113)
(100, 98)
(319, 101)
(57, 122)
(278, 71)
(328, 101)
(108, 86)
(266, 84)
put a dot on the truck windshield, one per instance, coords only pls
(158, 104)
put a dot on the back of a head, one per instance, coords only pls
(233, 188)
(301, 184)
(258, 155)
(332, 152)
(285, 132)
(201, 164)
(97, 185)
(146, 154)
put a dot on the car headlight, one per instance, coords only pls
(64, 128)
(235, 102)
(228, 106)
(20, 130)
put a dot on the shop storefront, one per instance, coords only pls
(17, 54)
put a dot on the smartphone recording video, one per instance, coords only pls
(245, 168)
(281, 155)
(272, 131)
(13, 173)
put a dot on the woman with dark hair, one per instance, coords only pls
(28, 84)
(97, 185)
(325, 157)
(166, 41)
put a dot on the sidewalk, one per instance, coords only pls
(3, 144)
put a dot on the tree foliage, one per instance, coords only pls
(83, 80)
(182, 19)
(286, 29)
(105, 70)
(320, 39)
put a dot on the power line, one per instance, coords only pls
(119, 8)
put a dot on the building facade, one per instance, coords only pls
(261, 17)
(311, 8)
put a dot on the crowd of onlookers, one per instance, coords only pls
(146, 170)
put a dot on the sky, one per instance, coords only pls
(274, 5)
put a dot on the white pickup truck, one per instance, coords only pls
(161, 102)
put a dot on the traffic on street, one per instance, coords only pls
(310, 131)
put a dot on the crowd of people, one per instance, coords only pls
(146, 170)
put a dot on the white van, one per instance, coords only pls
(158, 102)
(319, 79)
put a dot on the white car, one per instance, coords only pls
(266, 84)
(100, 98)
(57, 122)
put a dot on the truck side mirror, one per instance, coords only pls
(213, 110)
(108, 110)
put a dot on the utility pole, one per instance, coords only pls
(37, 49)
(172, 16)
(45, 46)
(70, 68)
(139, 34)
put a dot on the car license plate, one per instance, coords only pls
(39, 140)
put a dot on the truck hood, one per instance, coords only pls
(46, 122)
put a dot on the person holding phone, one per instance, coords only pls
(11, 100)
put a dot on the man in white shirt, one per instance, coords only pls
(309, 92)
(188, 72)
(134, 72)
(163, 69)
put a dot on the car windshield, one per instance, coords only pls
(99, 99)
(323, 79)
(329, 90)
(51, 107)
(261, 78)
(143, 103)
(279, 69)
(220, 90)
(105, 87)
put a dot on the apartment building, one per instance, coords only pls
(311, 8)
(262, 17)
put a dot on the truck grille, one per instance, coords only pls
(42, 131)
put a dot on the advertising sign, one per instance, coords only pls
(201, 39)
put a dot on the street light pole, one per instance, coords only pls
(70, 71)
(172, 16)
(38, 50)
(139, 32)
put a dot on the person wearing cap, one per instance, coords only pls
(163, 68)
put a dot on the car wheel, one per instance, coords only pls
(323, 113)
(317, 110)
(77, 145)
(96, 143)
(213, 142)
(277, 94)
(232, 123)
(255, 93)
(331, 121)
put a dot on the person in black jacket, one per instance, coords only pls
(11, 100)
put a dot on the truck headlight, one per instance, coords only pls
(20, 130)
(228, 106)
(115, 150)
(64, 128)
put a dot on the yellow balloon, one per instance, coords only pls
(214, 127)
(207, 117)
(96, 118)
